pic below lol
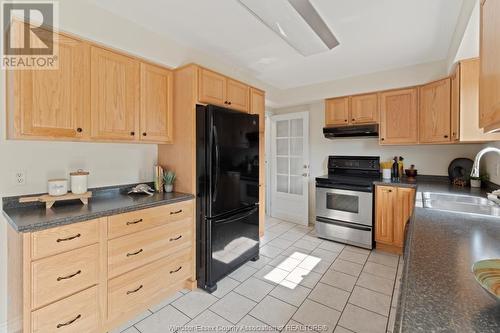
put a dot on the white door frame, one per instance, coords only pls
(299, 203)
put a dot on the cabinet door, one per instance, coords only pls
(364, 109)
(435, 112)
(156, 104)
(115, 81)
(384, 214)
(257, 106)
(399, 117)
(54, 103)
(489, 90)
(337, 111)
(455, 105)
(405, 201)
(469, 104)
(238, 95)
(212, 87)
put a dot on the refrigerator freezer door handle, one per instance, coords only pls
(238, 217)
(217, 163)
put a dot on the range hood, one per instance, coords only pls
(351, 131)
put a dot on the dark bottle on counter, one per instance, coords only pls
(395, 170)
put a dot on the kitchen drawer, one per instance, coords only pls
(65, 238)
(131, 251)
(78, 313)
(64, 274)
(135, 289)
(127, 223)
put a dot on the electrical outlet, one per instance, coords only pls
(20, 177)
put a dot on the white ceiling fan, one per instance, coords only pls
(296, 21)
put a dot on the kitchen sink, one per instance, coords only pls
(460, 203)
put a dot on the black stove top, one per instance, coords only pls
(355, 173)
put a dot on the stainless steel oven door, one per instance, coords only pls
(344, 205)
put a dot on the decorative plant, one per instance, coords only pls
(169, 178)
(482, 177)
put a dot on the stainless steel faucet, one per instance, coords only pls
(475, 167)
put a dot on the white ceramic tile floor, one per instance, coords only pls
(298, 280)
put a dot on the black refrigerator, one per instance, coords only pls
(227, 170)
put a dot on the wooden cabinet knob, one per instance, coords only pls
(345, 120)
(144, 134)
(353, 119)
(79, 130)
(446, 136)
(382, 139)
(132, 133)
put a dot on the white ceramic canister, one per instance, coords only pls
(57, 187)
(79, 181)
(386, 173)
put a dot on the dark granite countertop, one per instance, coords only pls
(438, 291)
(104, 202)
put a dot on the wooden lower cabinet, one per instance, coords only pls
(77, 313)
(393, 208)
(135, 289)
(93, 277)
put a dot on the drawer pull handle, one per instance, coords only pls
(134, 253)
(69, 238)
(69, 276)
(176, 238)
(135, 290)
(69, 322)
(178, 269)
(134, 222)
(176, 212)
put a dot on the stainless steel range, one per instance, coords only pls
(344, 200)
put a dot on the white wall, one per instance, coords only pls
(469, 46)
(428, 159)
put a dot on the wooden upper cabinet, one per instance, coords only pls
(405, 202)
(258, 106)
(399, 116)
(337, 111)
(212, 87)
(238, 95)
(115, 81)
(469, 103)
(455, 105)
(489, 91)
(156, 123)
(385, 200)
(364, 109)
(435, 112)
(53, 103)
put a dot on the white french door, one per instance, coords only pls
(290, 167)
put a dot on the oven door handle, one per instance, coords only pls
(346, 187)
(343, 224)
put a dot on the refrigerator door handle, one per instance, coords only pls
(241, 216)
(217, 163)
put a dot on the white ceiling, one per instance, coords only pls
(374, 35)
